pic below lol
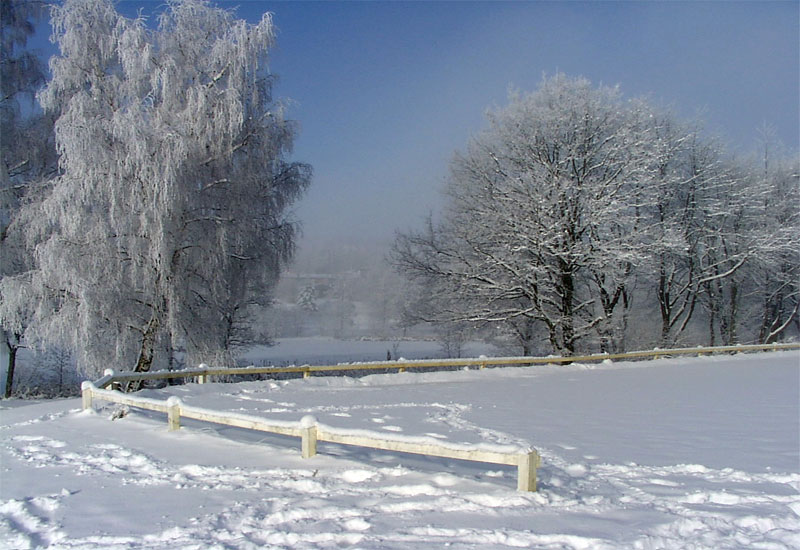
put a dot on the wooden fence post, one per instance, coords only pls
(526, 471)
(174, 413)
(308, 433)
(202, 378)
(86, 394)
(109, 374)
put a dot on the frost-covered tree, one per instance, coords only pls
(680, 171)
(307, 297)
(728, 241)
(27, 154)
(775, 269)
(700, 240)
(573, 205)
(714, 231)
(544, 211)
(168, 219)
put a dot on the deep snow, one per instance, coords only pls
(677, 453)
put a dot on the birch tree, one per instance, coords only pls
(169, 216)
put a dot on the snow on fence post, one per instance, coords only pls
(174, 413)
(202, 378)
(109, 374)
(526, 471)
(86, 394)
(308, 434)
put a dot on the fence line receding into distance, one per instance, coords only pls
(310, 431)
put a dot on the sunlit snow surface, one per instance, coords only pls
(683, 453)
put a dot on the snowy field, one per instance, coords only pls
(677, 454)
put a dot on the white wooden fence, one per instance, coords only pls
(203, 373)
(310, 431)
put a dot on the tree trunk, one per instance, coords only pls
(626, 308)
(552, 332)
(712, 315)
(525, 331)
(733, 311)
(664, 307)
(763, 332)
(12, 364)
(567, 326)
(146, 352)
(565, 288)
(526, 348)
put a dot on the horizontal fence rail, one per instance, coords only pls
(310, 432)
(203, 372)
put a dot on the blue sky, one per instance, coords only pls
(385, 92)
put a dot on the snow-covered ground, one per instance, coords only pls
(679, 454)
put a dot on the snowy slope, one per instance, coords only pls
(683, 453)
